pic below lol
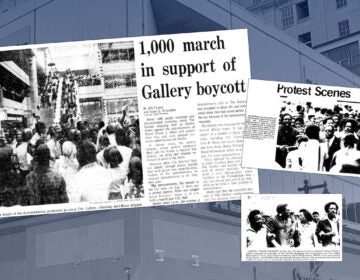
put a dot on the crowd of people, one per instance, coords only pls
(303, 230)
(48, 91)
(89, 80)
(120, 80)
(68, 96)
(319, 139)
(71, 162)
(17, 95)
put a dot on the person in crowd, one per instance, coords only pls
(110, 130)
(93, 135)
(123, 142)
(103, 144)
(67, 166)
(44, 186)
(330, 146)
(23, 157)
(349, 127)
(39, 134)
(256, 234)
(116, 171)
(286, 140)
(310, 151)
(72, 138)
(293, 158)
(133, 184)
(91, 183)
(347, 157)
(306, 231)
(299, 125)
(101, 131)
(316, 217)
(53, 144)
(10, 181)
(282, 226)
(328, 229)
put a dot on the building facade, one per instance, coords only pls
(199, 241)
(330, 27)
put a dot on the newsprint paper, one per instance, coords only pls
(145, 121)
(291, 227)
(302, 127)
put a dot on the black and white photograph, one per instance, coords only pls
(305, 127)
(292, 223)
(69, 124)
(313, 136)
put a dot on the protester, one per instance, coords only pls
(256, 235)
(282, 226)
(44, 186)
(116, 172)
(10, 181)
(328, 229)
(306, 230)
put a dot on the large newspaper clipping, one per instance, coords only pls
(302, 127)
(123, 123)
(282, 227)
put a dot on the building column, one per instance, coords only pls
(1, 97)
(34, 94)
(46, 62)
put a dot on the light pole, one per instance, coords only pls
(308, 188)
(127, 273)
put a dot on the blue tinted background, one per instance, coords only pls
(189, 241)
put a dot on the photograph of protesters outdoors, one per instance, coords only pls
(69, 124)
(286, 226)
(312, 137)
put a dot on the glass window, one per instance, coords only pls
(287, 16)
(305, 39)
(302, 10)
(347, 56)
(344, 28)
(122, 80)
(341, 3)
(116, 55)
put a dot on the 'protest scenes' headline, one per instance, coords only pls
(317, 91)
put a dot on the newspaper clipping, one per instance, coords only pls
(311, 128)
(294, 227)
(107, 124)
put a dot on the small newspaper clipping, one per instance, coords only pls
(302, 127)
(291, 227)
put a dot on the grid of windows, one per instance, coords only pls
(117, 55)
(344, 28)
(341, 3)
(287, 16)
(257, 1)
(348, 56)
(121, 80)
(6, 5)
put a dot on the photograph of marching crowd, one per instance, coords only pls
(313, 137)
(63, 136)
(288, 226)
